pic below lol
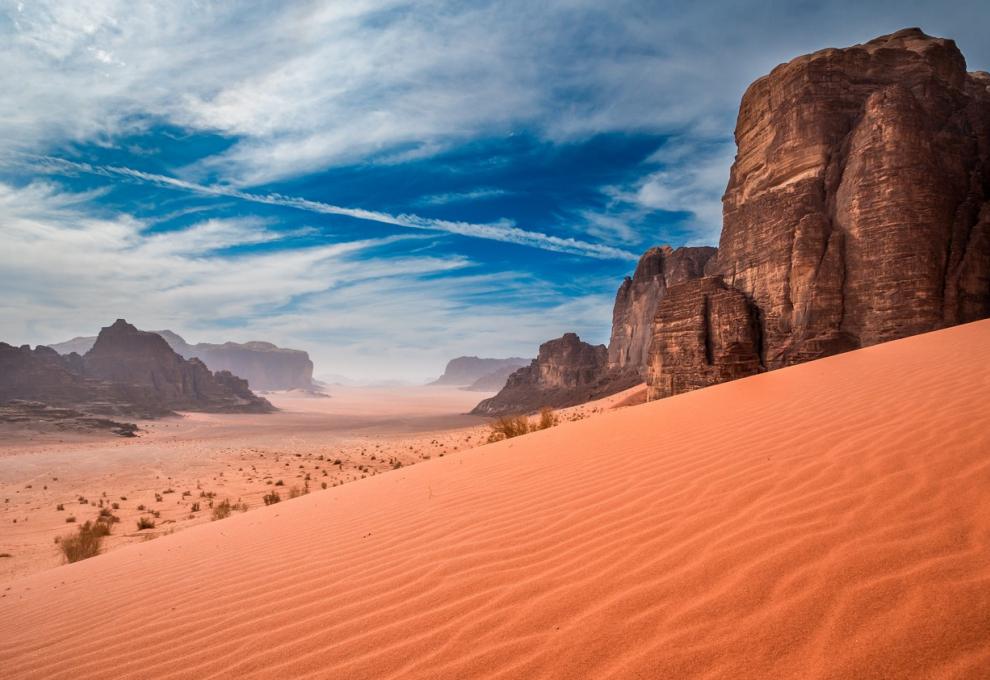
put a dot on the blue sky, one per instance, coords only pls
(385, 184)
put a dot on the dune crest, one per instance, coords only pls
(827, 520)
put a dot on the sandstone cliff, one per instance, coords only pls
(566, 371)
(124, 355)
(708, 334)
(636, 302)
(857, 209)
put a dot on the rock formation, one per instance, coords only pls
(127, 372)
(464, 371)
(264, 365)
(124, 355)
(566, 371)
(708, 335)
(636, 302)
(857, 209)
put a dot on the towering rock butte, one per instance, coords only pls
(124, 355)
(857, 209)
(566, 371)
(636, 302)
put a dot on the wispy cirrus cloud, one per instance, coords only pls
(504, 232)
(481, 194)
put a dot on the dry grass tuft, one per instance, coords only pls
(508, 427)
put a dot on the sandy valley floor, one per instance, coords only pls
(197, 459)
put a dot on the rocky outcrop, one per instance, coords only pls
(708, 333)
(857, 210)
(125, 355)
(636, 302)
(127, 373)
(264, 365)
(464, 371)
(856, 207)
(566, 371)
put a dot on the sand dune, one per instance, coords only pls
(830, 520)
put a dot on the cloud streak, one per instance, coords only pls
(504, 232)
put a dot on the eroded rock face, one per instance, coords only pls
(127, 373)
(856, 210)
(706, 333)
(125, 355)
(636, 302)
(566, 371)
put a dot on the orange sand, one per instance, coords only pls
(830, 520)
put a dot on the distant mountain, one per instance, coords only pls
(492, 382)
(264, 365)
(465, 371)
(127, 372)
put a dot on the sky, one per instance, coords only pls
(384, 184)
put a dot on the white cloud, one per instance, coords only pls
(503, 231)
(67, 272)
(684, 175)
(304, 86)
(480, 194)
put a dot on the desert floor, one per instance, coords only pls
(184, 460)
(828, 520)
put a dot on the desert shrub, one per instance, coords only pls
(508, 427)
(295, 492)
(222, 509)
(547, 418)
(145, 523)
(60, 507)
(107, 517)
(195, 507)
(280, 483)
(85, 542)
(271, 498)
(70, 519)
(115, 506)
(141, 508)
